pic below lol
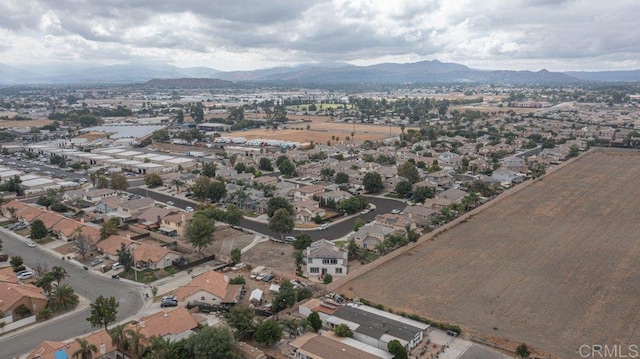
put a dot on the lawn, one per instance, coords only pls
(144, 276)
(553, 264)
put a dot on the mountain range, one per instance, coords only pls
(323, 74)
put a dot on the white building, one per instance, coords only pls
(322, 257)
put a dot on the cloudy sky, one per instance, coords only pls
(249, 34)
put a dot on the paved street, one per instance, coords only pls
(86, 284)
(336, 230)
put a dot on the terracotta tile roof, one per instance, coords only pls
(15, 204)
(29, 213)
(166, 322)
(178, 218)
(149, 253)
(7, 275)
(212, 282)
(92, 234)
(66, 227)
(152, 214)
(50, 219)
(47, 349)
(11, 292)
(310, 189)
(113, 243)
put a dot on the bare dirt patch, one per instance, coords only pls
(26, 123)
(274, 256)
(554, 265)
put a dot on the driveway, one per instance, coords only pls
(85, 284)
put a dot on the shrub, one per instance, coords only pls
(328, 278)
(343, 330)
(44, 314)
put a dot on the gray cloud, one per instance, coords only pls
(230, 34)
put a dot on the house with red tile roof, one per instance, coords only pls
(112, 244)
(15, 293)
(50, 219)
(29, 213)
(171, 324)
(66, 228)
(101, 339)
(154, 257)
(212, 288)
(16, 205)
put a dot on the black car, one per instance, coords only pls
(169, 303)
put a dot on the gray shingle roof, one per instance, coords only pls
(376, 326)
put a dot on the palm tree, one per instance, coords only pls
(119, 338)
(136, 343)
(402, 127)
(85, 351)
(158, 347)
(45, 282)
(62, 297)
(177, 184)
(59, 274)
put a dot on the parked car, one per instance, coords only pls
(323, 227)
(116, 266)
(395, 211)
(31, 244)
(18, 226)
(25, 275)
(289, 239)
(96, 261)
(189, 209)
(268, 277)
(170, 203)
(168, 303)
(365, 211)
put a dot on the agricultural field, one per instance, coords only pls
(555, 265)
(321, 129)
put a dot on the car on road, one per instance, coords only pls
(170, 203)
(365, 211)
(25, 275)
(31, 244)
(189, 209)
(289, 239)
(96, 261)
(395, 211)
(323, 227)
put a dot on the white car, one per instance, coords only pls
(364, 211)
(170, 203)
(31, 244)
(25, 275)
(323, 227)
(395, 211)
(189, 209)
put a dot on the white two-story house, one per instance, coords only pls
(322, 257)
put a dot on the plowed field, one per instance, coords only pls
(555, 265)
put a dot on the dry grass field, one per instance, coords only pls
(321, 130)
(555, 265)
(26, 123)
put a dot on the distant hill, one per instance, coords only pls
(304, 74)
(188, 83)
(608, 76)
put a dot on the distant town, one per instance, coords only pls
(177, 219)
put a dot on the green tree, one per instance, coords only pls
(236, 255)
(268, 332)
(109, 228)
(118, 336)
(574, 151)
(59, 274)
(152, 180)
(409, 171)
(119, 182)
(233, 215)
(38, 230)
(103, 312)
(522, 351)
(136, 342)
(327, 278)
(422, 193)
(240, 167)
(85, 350)
(213, 343)
(327, 172)
(46, 282)
(265, 164)
(199, 232)
(341, 178)
(372, 182)
(394, 347)
(281, 222)
(209, 169)
(217, 191)
(158, 348)
(353, 204)
(21, 312)
(16, 262)
(403, 188)
(342, 330)
(357, 224)
(287, 168)
(241, 318)
(275, 203)
(125, 257)
(302, 241)
(62, 297)
(314, 321)
(286, 297)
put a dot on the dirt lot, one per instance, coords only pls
(274, 256)
(554, 265)
(27, 123)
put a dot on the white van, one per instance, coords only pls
(116, 266)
